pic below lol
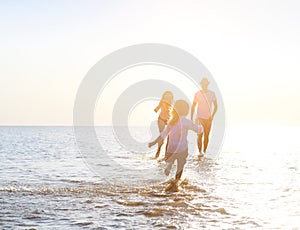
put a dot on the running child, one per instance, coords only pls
(177, 130)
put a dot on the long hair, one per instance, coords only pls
(181, 108)
(163, 97)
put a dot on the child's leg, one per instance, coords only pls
(167, 156)
(181, 160)
(161, 126)
(170, 161)
(167, 148)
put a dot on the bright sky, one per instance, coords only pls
(251, 48)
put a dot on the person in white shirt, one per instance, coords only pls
(204, 98)
(177, 130)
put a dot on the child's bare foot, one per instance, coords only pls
(168, 169)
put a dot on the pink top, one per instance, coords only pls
(204, 101)
(178, 134)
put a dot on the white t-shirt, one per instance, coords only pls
(178, 134)
(204, 101)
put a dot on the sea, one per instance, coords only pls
(48, 182)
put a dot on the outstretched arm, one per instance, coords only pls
(196, 128)
(157, 107)
(161, 137)
(158, 140)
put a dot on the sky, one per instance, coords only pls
(251, 48)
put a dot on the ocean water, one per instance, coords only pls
(47, 183)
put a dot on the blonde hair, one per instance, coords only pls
(181, 108)
(163, 99)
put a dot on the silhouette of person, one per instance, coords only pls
(164, 106)
(204, 99)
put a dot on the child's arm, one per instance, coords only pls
(157, 107)
(196, 128)
(161, 137)
(159, 140)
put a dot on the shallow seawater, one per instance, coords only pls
(46, 183)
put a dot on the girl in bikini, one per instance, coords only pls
(164, 106)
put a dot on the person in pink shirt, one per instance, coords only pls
(204, 99)
(177, 131)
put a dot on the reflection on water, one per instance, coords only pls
(44, 182)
